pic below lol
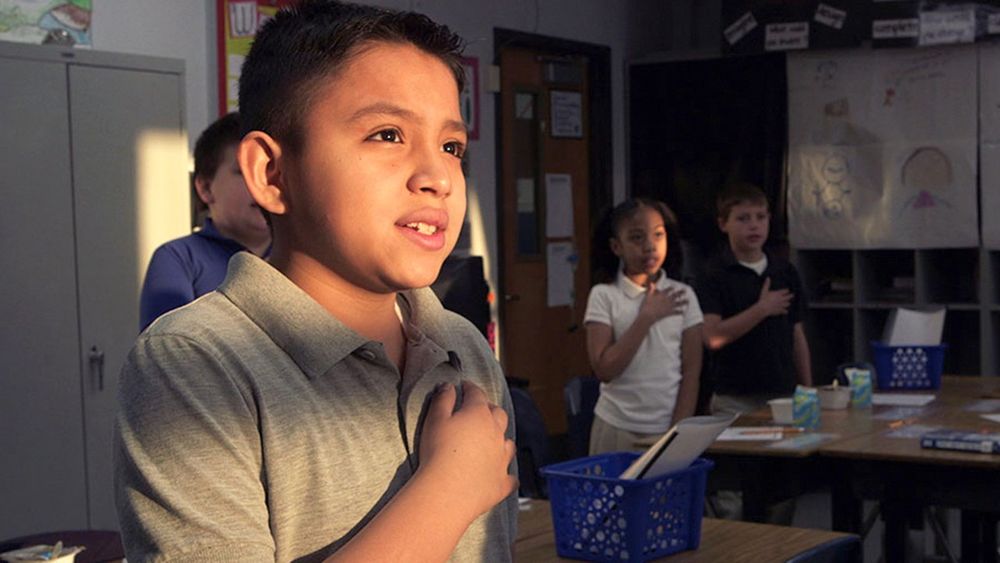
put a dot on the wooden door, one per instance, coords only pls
(545, 223)
(130, 188)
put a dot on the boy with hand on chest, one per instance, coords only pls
(323, 405)
(753, 305)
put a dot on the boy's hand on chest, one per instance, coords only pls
(774, 302)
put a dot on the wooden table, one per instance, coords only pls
(765, 474)
(905, 477)
(721, 540)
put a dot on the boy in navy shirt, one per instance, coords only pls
(184, 269)
(753, 304)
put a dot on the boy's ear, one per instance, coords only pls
(203, 186)
(259, 156)
(722, 223)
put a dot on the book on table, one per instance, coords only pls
(962, 440)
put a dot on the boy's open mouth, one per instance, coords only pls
(422, 228)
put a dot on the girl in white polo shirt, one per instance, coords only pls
(643, 331)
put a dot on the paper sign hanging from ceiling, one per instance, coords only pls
(882, 149)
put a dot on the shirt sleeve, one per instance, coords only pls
(598, 306)
(797, 312)
(709, 293)
(692, 311)
(188, 461)
(168, 285)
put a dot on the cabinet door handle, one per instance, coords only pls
(97, 366)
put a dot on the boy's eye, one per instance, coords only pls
(454, 148)
(386, 136)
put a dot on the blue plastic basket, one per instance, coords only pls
(598, 517)
(902, 368)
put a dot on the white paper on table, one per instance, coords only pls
(679, 446)
(911, 327)
(751, 434)
(992, 417)
(559, 269)
(558, 205)
(908, 400)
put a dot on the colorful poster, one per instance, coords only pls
(63, 22)
(239, 21)
(883, 149)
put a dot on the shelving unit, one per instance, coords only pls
(851, 293)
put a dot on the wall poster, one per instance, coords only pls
(238, 24)
(62, 22)
(882, 149)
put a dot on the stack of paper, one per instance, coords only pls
(679, 446)
(912, 327)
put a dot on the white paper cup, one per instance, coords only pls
(834, 398)
(781, 410)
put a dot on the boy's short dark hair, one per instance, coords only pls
(213, 141)
(312, 40)
(735, 194)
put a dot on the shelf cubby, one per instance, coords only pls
(993, 259)
(948, 276)
(869, 326)
(991, 346)
(961, 334)
(964, 280)
(830, 333)
(828, 275)
(886, 277)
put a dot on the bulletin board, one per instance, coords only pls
(239, 21)
(882, 149)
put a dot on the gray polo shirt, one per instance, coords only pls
(254, 426)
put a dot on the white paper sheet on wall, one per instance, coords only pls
(882, 149)
(559, 263)
(989, 142)
(558, 205)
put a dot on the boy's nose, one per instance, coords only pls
(431, 175)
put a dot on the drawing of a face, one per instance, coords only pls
(835, 169)
(826, 72)
(927, 169)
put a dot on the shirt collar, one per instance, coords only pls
(208, 230)
(308, 333)
(633, 290)
(729, 259)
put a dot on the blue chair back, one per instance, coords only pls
(533, 451)
(840, 550)
(580, 394)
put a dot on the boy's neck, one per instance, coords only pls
(257, 245)
(749, 255)
(372, 315)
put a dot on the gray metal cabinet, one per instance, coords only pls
(93, 161)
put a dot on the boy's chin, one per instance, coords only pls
(413, 279)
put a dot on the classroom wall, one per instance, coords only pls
(185, 29)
